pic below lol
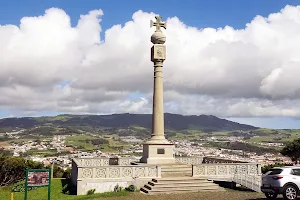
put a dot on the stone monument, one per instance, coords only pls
(103, 175)
(158, 150)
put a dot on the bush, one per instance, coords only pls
(68, 187)
(67, 173)
(91, 191)
(20, 187)
(118, 188)
(131, 188)
(266, 168)
(13, 169)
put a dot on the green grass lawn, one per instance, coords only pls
(56, 194)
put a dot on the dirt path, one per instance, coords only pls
(224, 195)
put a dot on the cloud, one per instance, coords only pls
(46, 65)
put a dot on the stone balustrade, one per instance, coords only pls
(251, 181)
(246, 174)
(226, 170)
(97, 162)
(209, 160)
(117, 172)
(189, 160)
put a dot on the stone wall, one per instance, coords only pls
(189, 160)
(208, 160)
(96, 162)
(96, 174)
(225, 170)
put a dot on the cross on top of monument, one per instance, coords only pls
(158, 23)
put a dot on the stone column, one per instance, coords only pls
(158, 104)
(158, 150)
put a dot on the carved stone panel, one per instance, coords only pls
(114, 172)
(87, 173)
(158, 52)
(152, 172)
(87, 162)
(212, 170)
(127, 172)
(101, 173)
(200, 170)
(140, 172)
(222, 170)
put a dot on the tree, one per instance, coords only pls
(57, 171)
(13, 169)
(292, 150)
(4, 152)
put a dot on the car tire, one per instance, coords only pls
(290, 192)
(271, 195)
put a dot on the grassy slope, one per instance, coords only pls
(79, 140)
(56, 194)
(294, 134)
(41, 194)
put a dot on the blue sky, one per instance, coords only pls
(200, 14)
(212, 13)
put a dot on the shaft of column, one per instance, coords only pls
(158, 105)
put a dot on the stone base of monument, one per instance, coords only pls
(158, 154)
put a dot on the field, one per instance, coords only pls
(56, 194)
(276, 136)
(83, 142)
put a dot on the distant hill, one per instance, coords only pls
(172, 121)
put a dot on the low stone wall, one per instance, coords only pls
(225, 170)
(246, 174)
(208, 160)
(97, 162)
(105, 178)
(189, 160)
(109, 172)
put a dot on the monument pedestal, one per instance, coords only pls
(158, 153)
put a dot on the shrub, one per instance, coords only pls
(118, 188)
(131, 188)
(68, 187)
(91, 191)
(67, 173)
(20, 187)
(13, 169)
(266, 168)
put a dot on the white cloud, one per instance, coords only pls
(224, 72)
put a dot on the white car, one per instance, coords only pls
(281, 180)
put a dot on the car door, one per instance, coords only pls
(296, 176)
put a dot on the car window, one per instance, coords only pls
(296, 172)
(267, 173)
(275, 171)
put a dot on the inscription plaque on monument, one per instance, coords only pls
(160, 151)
